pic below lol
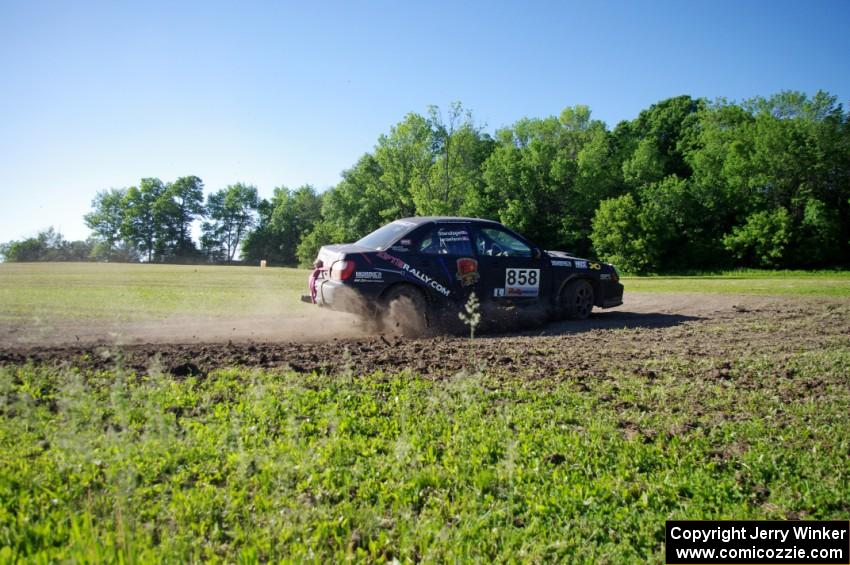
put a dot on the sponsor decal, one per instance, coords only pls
(558, 263)
(448, 241)
(394, 260)
(605, 277)
(581, 264)
(368, 276)
(498, 292)
(405, 242)
(467, 271)
(415, 273)
(595, 266)
(398, 248)
(450, 236)
(522, 282)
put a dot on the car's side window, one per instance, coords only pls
(447, 240)
(497, 243)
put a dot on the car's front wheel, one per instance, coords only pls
(405, 312)
(577, 300)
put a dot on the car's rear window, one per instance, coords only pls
(384, 237)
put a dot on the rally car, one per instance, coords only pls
(423, 270)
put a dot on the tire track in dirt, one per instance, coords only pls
(648, 327)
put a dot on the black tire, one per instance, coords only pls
(405, 312)
(577, 300)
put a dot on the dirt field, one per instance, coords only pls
(648, 328)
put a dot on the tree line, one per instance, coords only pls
(153, 222)
(688, 184)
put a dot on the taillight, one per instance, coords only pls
(342, 270)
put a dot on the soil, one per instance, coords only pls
(647, 327)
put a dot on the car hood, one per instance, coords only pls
(565, 255)
(561, 255)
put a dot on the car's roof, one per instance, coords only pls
(444, 219)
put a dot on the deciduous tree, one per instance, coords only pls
(144, 221)
(232, 213)
(106, 220)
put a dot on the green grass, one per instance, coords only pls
(83, 291)
(799, 283)
(251, 466)
(246, 466)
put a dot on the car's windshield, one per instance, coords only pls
(383, 237)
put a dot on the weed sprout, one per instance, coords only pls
(471, 316)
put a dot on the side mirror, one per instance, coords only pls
(536, 253)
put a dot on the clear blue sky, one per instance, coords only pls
(99, 94)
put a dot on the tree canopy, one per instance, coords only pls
(688, 184)
(47, 245)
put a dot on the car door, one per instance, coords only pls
(512, 272)
(445, 252)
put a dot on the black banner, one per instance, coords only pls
(693, 542)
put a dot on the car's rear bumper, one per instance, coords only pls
(332, 294)
(336, 295)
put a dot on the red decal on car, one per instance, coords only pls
(467, 271)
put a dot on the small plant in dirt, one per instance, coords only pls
(471, 315)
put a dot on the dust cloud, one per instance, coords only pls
(267, 314)
(270, 315)
(315, 326)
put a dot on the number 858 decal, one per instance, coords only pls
(522, 282)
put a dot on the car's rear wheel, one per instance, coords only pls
(405, 312)
(577, 300)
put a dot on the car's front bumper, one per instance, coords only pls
(613, 294)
